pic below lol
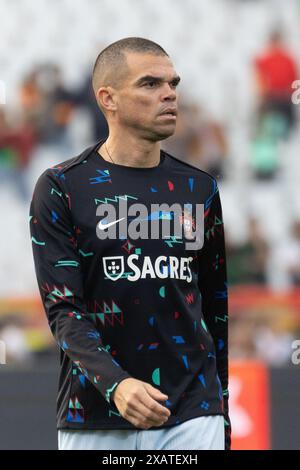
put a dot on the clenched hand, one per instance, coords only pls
(137, 401)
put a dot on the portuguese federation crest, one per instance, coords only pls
(113, 267)
(188, 223)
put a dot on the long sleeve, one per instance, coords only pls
(59, 277)
(213, 288)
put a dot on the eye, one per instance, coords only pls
(149, 84)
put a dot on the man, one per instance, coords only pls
(275, 71)
(141, 320)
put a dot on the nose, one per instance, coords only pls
(169, 93)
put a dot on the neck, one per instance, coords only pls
(130, 150)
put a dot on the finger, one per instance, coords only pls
(155, 393)
(140, 420)
(140, 408)
(155, 407)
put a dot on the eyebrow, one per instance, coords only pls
(152, 78)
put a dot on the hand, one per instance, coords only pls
(137, 402)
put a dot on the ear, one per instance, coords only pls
(106, 98)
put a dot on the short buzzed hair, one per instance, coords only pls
(111, 67)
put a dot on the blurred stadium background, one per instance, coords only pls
(238, 60)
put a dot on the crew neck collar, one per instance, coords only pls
(126, 167)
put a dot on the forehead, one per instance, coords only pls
(149, 64)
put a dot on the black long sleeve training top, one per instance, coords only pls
(123, 306)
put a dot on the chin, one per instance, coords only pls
(163, 134)
(156, 134)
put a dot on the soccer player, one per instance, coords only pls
(140, 315)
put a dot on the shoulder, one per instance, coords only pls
(208, 181)
(56, 175)
(67, 165)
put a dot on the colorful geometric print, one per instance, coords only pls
(164, 327)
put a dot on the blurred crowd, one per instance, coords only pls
(49, 114)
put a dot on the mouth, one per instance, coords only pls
(169, 113)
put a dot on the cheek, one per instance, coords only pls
(140, 108)
(142, 102)
(145, 101)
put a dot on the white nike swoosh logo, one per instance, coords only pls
(104, 226)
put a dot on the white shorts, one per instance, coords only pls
(202, 433)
